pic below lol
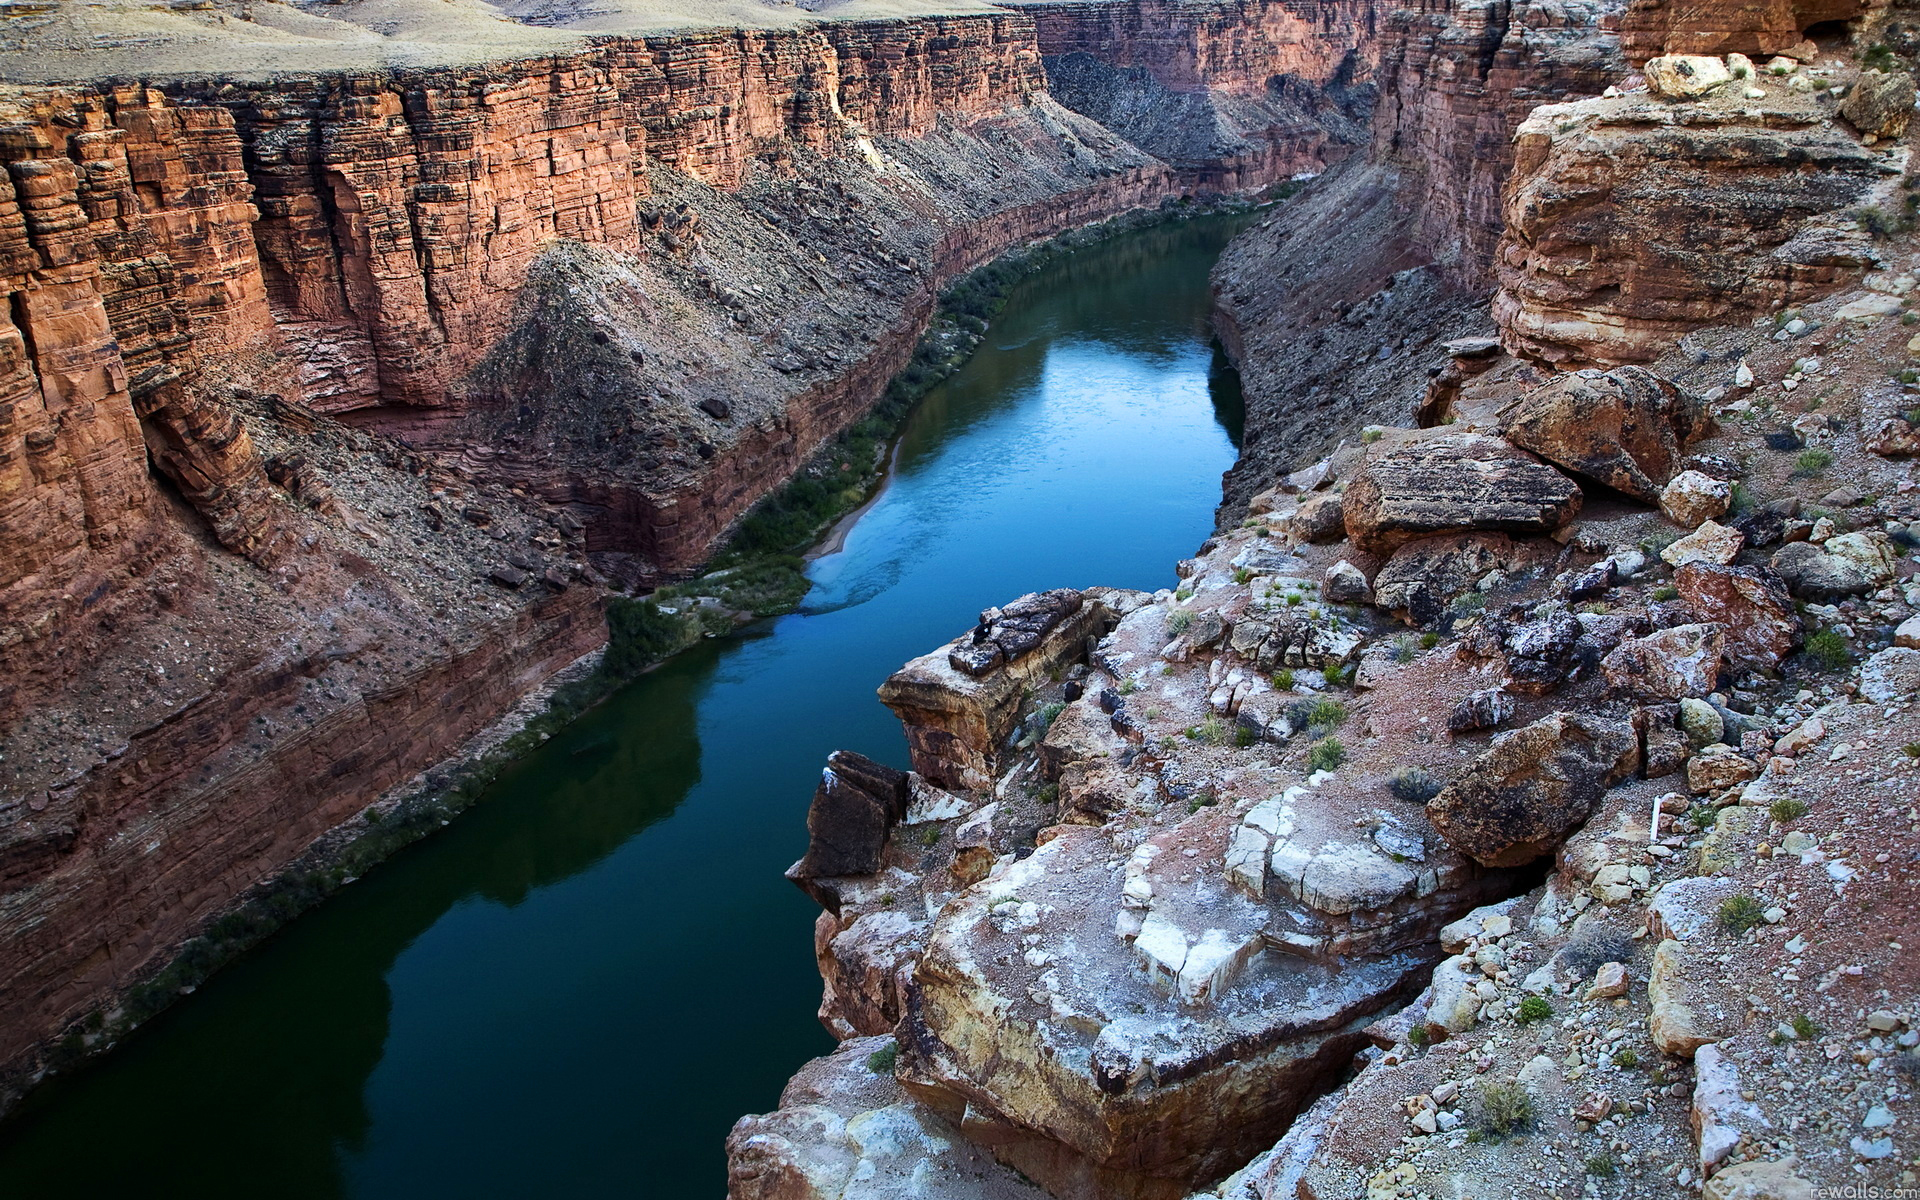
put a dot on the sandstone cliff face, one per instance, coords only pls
(1634, 219)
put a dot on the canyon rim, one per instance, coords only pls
(1514, 796)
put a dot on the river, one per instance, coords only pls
(575, 989)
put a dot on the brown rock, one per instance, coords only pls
(1627, 428)
(1711, 543)
(1427, 574)
(1880, 105)
(1750, 604)
(1602, 261)
(1318, 520)
(1423, 483)
(1536, 785)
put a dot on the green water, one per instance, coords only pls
(575, 989)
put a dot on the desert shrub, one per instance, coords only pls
(1504, 1110)
(1813, 461)
(1590, 948)
(1178, 621)
(1534, 1008)
(881, 1061)
(1326, 755)
(1741, 913)
(1414, 785)
(1788, 808)
(1828, 649)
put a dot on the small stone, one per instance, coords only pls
(1884, 1021)
(1609, 982)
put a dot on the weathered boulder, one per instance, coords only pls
(1603, 260)
(1422, 483)
(1711, 543)
(1720, 1116)
(1717, 768)
(847, 1130)
(1750, 604)
(1669, 664)
(1345, 584)
(1848, 565)
(1892, 674)
(1538, 652)
(1880, 105)
(1532, 788)
(1685, 76)
(855, 807)
(1426, 575)
(1761, 1181)
(1674, 1023)
(1488, 708)
(1694, 496)
(1626, 428)
(1318, 519)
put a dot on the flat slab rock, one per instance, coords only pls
(1420, 483)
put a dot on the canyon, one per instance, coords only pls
(346, 391)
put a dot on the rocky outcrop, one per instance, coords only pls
(1602, 260)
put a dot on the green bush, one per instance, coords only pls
(1666, 591)
(1505, 1109)
(1741, 913)
(1283, 679)
(1534, 1008)
(1813, 461)
(881, 1061)
(1429, 640)
(1828, 649)
(1414, 785)
(1326, 755)
(1625, 1058)
(1788, 808)
(1178, 620)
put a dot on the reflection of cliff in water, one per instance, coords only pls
(302, 1023)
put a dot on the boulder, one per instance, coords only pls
(1701, 722)
(1488, 708)
(1685, 76)
(1693, 497)
(1719, 767)
(1626, 428)
(1760, 1181)
(1712, 543)
(1673, 1024)
(1345, 584)
(1318, 519)
(1892, 674)
(1422, 483)
(1533, 787)
(1426, 575)
(1667, 665)
(1750, 604)
(1538, 652)
(1880, 105)
(1720, 1116)
(1850, 564)
(855, 807)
